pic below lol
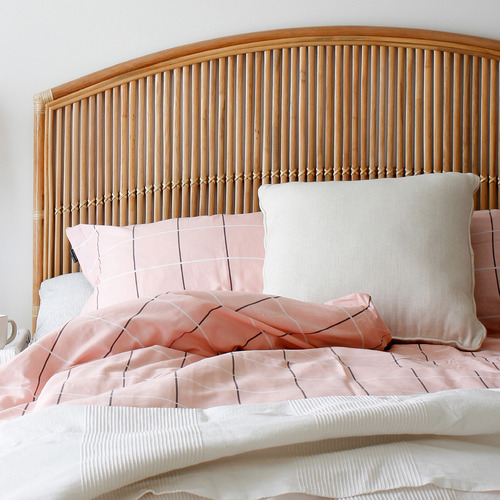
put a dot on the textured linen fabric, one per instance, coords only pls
(405, 242)
(220, 252)
(61, 299)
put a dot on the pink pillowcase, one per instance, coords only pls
(227, 253)
(219, 252)
(485, 237)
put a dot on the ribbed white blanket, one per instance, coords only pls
(437, 446)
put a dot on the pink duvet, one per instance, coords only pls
(201, 349)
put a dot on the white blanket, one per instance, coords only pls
(439, 445)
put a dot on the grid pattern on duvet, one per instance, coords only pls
(175, 378)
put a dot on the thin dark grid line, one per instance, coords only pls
(234, 380)
(422, 351)
(176, 390)
(127, 323)
(294, 376)
(395, 360)
(418, 378)
(256, 302)
(196, 327)
(133, 258)
(481, 379)
(100, 265)
(47, 360)
(62, 388)
(127, 367)
(184, 359)
(350, 371)
(180, 254)
(227, 253)
(493, 251)
(111, 398)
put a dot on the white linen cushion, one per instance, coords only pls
(404, 241)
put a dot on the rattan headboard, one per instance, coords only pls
(196, 129)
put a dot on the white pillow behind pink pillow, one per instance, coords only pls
(219, 252)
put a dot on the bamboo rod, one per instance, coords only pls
(419, 106)
(144, 198)
(124, 115)
(239, 137)
(58, 191)
(466, 133)
(294, 68)
(382, 151)
(347, 116)
(484, 146)
(275, 118)
(131, 200)
(302, 110)
(356, 61)
(457, 112)
(400, 109)
(475, 146)
(373, 113)
(320, 116)
(158, 142)
(167, 112)
(285, 113)
(248, 181)
(337, 116)
(364, 111)
(493, 137)
(194, 185)
(176, 146)
(116, 166)
(438, 112)
(257, 140)
(185, 169)
(428, 124)
(100, 166)
(448, 110)
(230, 194)
(91, 161)
(221, 186)
(48, 204)
(204, 134)
(67, 186)
(311, 114)
(391, 113)
(409, 110)
(108, 156)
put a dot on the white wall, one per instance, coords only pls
(46, 43)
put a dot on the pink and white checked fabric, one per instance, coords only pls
(131, 353)
(485, 238)
(219, 252)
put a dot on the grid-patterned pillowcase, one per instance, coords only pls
(219, 252)
(485, 237)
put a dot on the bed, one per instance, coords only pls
(290, 286)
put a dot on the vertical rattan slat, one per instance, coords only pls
(176, 146)
(221, 128)
(437, 160)
(284, 126)
(382, 98)
(143, 197)
(49, 250)
(238, 164)
(131, 192)
(58, 192)
(484, 149)
(257, 137)
(372, 157)
(364, 112)
(400, 114)
(100, 168)
(67, 186)
(448, 110)
(493, 136)
(275, 117)
(91, 193)
(347, 115)
(457, 112)
(419, 110)
(409, 113)
(115, 156)
(311, 115)
(204, 137)
(230, 194)
(166, 186)
(185, 175)
(337, 116)
(391, 112)
(320, 116)
(428, 108)
(294, 92)
(248, 181)
(466, 111)
(356, 62)
(194, 185)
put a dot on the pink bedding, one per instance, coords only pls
(202, 349)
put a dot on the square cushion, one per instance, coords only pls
(219, 252)
(404, 241)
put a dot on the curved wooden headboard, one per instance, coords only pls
(196, 129)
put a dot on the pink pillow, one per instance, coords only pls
(485, 237)
(219, 252)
